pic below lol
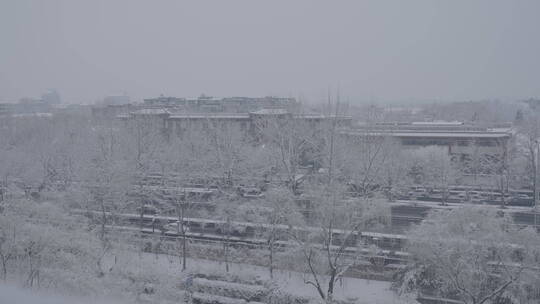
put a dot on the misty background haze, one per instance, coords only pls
(374, 50)
(276, 152)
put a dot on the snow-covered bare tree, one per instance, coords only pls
(8, 243)
(372, 156)
(329, 248)
(529, 137)
(472, 254)
(438, 170)
(292, 141)
(281, 207)
(143, 135)
(105, 174)
(395, 169)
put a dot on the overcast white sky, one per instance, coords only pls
(383, 50)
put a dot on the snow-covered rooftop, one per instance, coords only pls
(452, 134)
(438, 123)
(271, 112)
(150, 112)
(210, 116)
(456, 134)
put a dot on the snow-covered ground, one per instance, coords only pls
(169, 268)
(365, 291)
(16, 295)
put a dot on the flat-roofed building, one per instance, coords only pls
(461, 140)
(250, 124)
(209, 104)
(181, 123)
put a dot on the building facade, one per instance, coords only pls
(462, 141)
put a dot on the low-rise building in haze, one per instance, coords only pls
(461, 140)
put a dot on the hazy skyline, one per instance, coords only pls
(384, 50)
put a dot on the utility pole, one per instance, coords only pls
(536, 180)
(180, 228)
(536, 176)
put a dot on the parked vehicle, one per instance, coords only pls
(148, 209)
(174, 227)
(250, 192)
